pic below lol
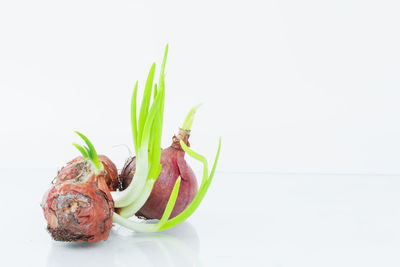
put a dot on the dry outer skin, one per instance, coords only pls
(173, 165)
(79, 207)
(73, 169)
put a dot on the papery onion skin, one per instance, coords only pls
(71, 171)
(79, 206)
(173, 165)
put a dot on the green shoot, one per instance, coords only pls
(146, 101)
(88, 152)
(133, 118)
(187, 124)
(82, 150)
(205, 184)
(155, 91)
(147, 130)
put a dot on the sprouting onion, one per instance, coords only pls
(147, 132)
(164, 223)
(78, 206)
(174, 165)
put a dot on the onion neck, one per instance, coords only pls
(184, 132)
(183, 135)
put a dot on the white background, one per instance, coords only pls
(291, 86)
(305, 95)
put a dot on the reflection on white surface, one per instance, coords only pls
(286, 220)
(176, 247)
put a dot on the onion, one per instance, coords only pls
(79, 206)
(174, 165)
(159, 183)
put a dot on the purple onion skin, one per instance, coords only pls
(173, 165)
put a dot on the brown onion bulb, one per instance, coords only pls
(73, 169)
(79, 206)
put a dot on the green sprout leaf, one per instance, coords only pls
(91, 153)
(144, 108)
(163, 64)
(155, 91)
(171, 202)
(82, 150)
(147, 131)
(134, 117)
(187, 124)
(205, 184)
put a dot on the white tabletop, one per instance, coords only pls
(246, 219)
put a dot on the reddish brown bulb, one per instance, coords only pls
(74, 167)
(79, 206)
(173, 165)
